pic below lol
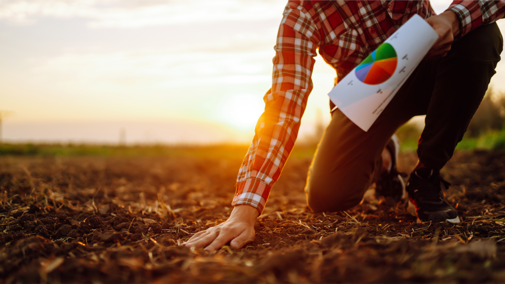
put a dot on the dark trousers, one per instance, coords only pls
(448, 90)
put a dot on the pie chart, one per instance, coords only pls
(379, 66)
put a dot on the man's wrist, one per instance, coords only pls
(244, 213)
(454, 20)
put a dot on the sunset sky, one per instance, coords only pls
(161, 71)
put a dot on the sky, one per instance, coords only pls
(173, 71)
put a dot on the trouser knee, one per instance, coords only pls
(331, 195)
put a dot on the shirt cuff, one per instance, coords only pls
(253, 192)
(465, 18)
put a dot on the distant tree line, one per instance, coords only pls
(490, 115)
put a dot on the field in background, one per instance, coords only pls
(31, 149)
(489, 140)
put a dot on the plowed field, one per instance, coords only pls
(121, 219)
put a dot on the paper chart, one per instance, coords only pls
(366, 91)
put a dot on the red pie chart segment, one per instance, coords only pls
(389, 65)
(376, 75)
(379, 66)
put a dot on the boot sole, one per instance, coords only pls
(432, 216)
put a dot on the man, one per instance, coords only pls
(447, 86)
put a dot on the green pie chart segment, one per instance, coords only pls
(379, 66)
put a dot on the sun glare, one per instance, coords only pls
(242, 111)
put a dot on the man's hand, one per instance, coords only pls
(447, 27)
(238, 229)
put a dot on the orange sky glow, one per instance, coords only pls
(180, 71)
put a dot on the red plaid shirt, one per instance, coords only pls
(345, 32)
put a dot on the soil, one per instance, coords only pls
(122, 220)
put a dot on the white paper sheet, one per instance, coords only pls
(365, 92)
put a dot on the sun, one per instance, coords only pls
(242, 111)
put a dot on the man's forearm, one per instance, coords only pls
(285, 103)
(471, 14)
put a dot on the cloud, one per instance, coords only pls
(26, 12)
(155, 67)
(139, 13)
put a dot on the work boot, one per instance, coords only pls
(390, 183)
(425, 193)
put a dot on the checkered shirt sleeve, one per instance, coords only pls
(285, 102)
(473, 13)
